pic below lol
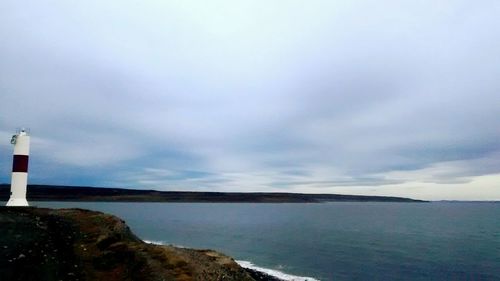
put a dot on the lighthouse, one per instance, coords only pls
(19, 182)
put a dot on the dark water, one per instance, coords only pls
(331, 241)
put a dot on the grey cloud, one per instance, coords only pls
(256, 96)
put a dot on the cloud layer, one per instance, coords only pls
(380, 97)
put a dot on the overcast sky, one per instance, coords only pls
(354, 97)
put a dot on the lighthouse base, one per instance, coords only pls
(17, 202)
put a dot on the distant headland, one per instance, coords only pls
(84, 193)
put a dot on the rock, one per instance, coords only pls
(87, 245)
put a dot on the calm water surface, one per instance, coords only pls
(330, 241)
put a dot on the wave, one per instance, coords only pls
(275, 273)
(246, 264)
(155, 242)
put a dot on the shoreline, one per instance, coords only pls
(71, 244)
(267, 274)
(256, 272)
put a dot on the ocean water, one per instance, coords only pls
(329, 241)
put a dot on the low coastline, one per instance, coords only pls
(102, 194)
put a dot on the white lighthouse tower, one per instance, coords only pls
(21, 142)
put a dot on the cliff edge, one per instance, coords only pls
(75, 244)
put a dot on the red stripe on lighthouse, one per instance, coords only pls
(20, 163)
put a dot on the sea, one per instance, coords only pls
(328, 241)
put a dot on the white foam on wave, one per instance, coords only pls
(275, 273)
(154, 242)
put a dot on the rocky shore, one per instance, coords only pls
(75, 244)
